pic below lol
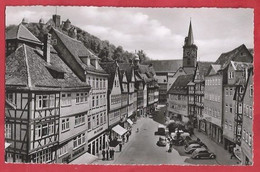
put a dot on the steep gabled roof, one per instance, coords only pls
(128, 68)
(180, 84)
(165, 65)
(27, 68)
(20, 32)
(77, 50)
(110, 68)
(235, 55)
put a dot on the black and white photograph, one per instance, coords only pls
(129, 86)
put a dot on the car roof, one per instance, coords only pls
(201, 149)
(194, 144)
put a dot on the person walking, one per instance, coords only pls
(110, 154)
(123, 139)
(127, 137)
(107, 153)
(113, 153)
(120, 146)
(103, 154)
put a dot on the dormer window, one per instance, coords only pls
(231, 75)
(55, 72)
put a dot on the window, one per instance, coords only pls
(247, 110)
(240, 108)
(89, 82)
(97, 120)
(231, 75)
(86, 97)
(226, 91)
(78, 141)
(45, 130)
(45, 101)
(105, 118)
(77, 97)
(226, 107)
(96, 100)
(79, 119)
(8, 131)
(104, 83)
(51, 128)
(66, 99)
(246, 137)
(93, 83)
(100, 83)
(93, 101)
(244, 134)
(38, 102)
(52, 100)
(63, 150)
(251, 91)
(82, 97)
(250, 112)
(89, 122)
(11, 97)
(231, 91)
(230, 108)
(43, 156)
(38, 131)
(250, 140)
(97, 83)
(101, 118)
(65, 125)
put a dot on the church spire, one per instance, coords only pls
(190, 39)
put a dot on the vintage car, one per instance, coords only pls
(162, 141)
(191, 148)
(202, 153)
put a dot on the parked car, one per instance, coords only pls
(192, 148)
(161, 129)
(189, 142)
(202, 153)
(162, 141)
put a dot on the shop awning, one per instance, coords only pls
(119, 130)
(130, 121)
(7, 145)
(86, 158)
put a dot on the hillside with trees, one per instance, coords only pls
(105, 50)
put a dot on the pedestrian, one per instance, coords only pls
(113, 153)
(123, 139)
(127, 137)
(103, 154)
(107, 153)
(110, 154)
(120, 146)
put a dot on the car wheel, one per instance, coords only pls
(212, 156)
(197, 157)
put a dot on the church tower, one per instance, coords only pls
(189, 50)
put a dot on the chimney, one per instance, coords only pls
(56, 20)
(88, 61)
(47, 48)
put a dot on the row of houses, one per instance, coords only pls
(62, 104)
(216, 97)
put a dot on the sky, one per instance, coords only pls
(160, 32)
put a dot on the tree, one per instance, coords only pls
(118, 53)
(142, 56)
